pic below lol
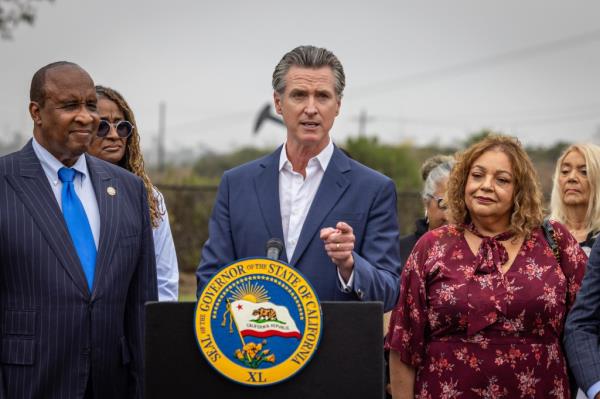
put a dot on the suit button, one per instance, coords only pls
(360, 294)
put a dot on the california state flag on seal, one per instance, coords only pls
(263, 319)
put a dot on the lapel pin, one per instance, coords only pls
(111, 191)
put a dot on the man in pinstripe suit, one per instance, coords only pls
(66, 333)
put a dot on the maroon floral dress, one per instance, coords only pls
(471, 332)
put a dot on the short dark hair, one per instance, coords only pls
(309, 57)
(38, 82)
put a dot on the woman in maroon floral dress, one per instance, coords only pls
(483, 301)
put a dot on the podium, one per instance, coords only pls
(348, 363)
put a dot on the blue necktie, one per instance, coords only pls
(78, 224)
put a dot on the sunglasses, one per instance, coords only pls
(123, 128)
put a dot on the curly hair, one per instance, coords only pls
(133, 160)
(527, 212)
(591, 154)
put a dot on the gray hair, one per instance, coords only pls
(309, 57)
(436, 175)
(431, 163)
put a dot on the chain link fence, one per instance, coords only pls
(190, 207)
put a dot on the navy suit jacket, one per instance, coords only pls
(55, 332)
(247, 214)
(582, 329)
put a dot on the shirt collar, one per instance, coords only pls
(322, 158)
(51, 165)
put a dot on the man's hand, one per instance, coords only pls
(339, 244)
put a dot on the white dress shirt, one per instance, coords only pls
(82, 183)
(296, 194)
(166, 260)
(167, 271)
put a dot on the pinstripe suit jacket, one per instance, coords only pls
(582, 329)
(55, 332)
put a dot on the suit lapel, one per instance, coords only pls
(266, 184)
(32, 187)
(102, 179)
(333, 185)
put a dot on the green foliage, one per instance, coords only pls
(394, 161)
(478, 136)
(213, 165)
(190, 192)
(547, 153)
(427, 151)
(189, 211)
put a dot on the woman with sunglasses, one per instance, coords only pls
(117, 141)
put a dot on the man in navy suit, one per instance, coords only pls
(336, 217)
(76, 255)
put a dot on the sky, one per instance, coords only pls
(422, 71)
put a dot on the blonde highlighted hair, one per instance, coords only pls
(591, 154)
(527, 212)
(133, 160)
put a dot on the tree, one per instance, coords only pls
(13, 13)
(395, 161)
(213, 165)
(478, 136)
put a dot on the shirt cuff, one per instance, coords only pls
(593, 390)
(346, 287)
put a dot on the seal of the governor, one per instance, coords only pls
(258, 321)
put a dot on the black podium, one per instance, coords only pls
(348, 363)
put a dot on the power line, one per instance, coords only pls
(568, 115)
(518, 116)
(470, 66)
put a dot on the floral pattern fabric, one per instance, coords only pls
(470, 332)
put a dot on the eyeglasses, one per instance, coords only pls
(441, 202)
(123, 128)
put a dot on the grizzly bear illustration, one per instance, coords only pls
(265, 314)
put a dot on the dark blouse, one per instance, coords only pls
(407, 242)
(589, 242)
(481, 334)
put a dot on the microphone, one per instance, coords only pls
(274, 248)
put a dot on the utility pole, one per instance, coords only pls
(362, 123)
(363, 118)
(162, 115)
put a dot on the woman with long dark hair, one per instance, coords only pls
(118, 141)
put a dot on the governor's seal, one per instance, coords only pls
(258, 321)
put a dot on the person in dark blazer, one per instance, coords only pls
(76, 255)
(582, 329)
(336, 217)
